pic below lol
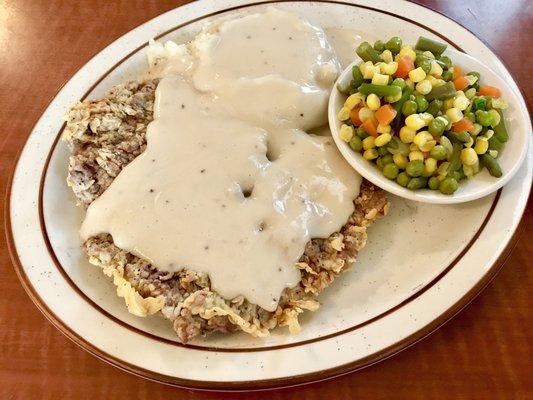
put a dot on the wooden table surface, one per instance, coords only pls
(485, 352)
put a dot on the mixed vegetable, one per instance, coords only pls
(420, 118)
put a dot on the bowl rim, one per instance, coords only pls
(366, 169)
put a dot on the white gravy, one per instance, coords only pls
(204, 195)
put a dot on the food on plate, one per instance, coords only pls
(206, 199)
(420, 118)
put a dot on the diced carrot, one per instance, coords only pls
(457, 72)
(463, 125)
(369, 127)
(405, 65)
(354, 116)
(385, 114)
(460, 83)
(487, 90)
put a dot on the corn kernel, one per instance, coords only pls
(365, 113)
(370, 71)
(447, 104)
(461, 102)
(417, 75)
(344, 114)
(346, 132)
(383, 139)
(424, 87)
(407, 51)
(489, 134)
(422, 137)
(369, 142)
(428, 145)
(407, 135)
(426, 117)
(454, 114)
(352, 101)
(380, 79)
(430, 165)
(495, 117)
(383, 128)
(389, 68)
(470, 142)
(364, 65)
(477, 129)
(468, 170)
(469, 156)
(443, 168)
(438, 82)
(370, 154)
(471, 79)
(409, 83)
(482, 145)
(413, 147)
(436, 69)
(414, 121)
(416, 155)
(400, 160)
(429, 54)
(393, 99)
(372, 102)
(470, 93)
(386, 56)
(493, 153)
(499, 103)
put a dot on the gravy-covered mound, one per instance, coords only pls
(212, 223)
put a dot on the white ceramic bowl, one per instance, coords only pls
(516, 119)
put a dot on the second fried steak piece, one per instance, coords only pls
(105, 136)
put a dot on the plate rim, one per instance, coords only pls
(294, 380)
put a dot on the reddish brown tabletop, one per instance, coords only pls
(484, 352)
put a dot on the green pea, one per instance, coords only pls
(386, 159)
(394, 45)
(399, 82)
(446, 60)
(403, 179)
(356, 143)
(470, 115)
(391, 171)
(425, 65)
(484, 118)
(421, 103)
(382, 151)
(447, 75)
(457, 175)
(433, 183)
(448, 186)
(379, 163)
(479, 103)
(379, 46)
(415, 168)
(361, 133)
(438, 152)
(434, 107)
(417, 183)
(437, 126)
(409, 107)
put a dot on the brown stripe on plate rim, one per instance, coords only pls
(267, 383)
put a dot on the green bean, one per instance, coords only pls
(500, 131)
(379, 90)
(344, 89)
(421, 58)
(434, 107)
(403, 179)
(379, 46)
(425, 44)
(455, 160)
(438, 152)
(492, 165)
(357, 76)
(394, 45)
(356, 143)
(446, 61)
(399, 104)
(463, 136)
(417, 183)
(495, 144)
(448, 186)
(433, 183)
(447, 75)
(415, 168)
(442, 92)
(409, 107)
(457, 175)
(476, 74)
(368, 53)
(400, 82)
(421, 103)
(391, 171)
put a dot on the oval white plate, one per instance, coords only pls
(516, 119)
(422, 264)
